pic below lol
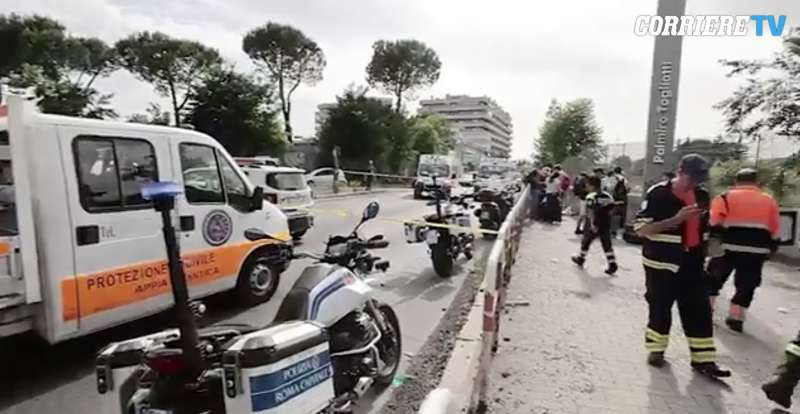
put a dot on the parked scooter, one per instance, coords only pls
(445, 243)
(330, 342)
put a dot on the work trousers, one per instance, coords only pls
(688, 289)
(604, 233)
(748, 267)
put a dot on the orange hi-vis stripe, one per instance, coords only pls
(92, 293)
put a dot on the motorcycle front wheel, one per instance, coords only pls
(442, 260)
(390, 346)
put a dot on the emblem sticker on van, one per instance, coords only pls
(217, 227)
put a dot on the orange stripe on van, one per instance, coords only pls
(5, 249)
(112, 288)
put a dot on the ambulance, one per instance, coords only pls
(81, 250)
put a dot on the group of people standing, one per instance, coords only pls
(681, 227)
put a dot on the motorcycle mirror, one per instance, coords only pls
(371, 211)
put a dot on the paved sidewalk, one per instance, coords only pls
(578, 346)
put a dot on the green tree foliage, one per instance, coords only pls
(430, 134)
(363, 128)
(153, 115)
(773, 176)
(37, 52)
(289, 57)
(717, 150)
(768, 98)
(569, 130)
(401, 67)
(174, 67)
(400, 151)
(235, 109)
(31, 40)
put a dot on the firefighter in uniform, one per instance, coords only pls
(598, 205)
(747, 222)
(781, 387)
(673, 221)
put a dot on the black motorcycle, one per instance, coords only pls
(446, 232)
(495, 206)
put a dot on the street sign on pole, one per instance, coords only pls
(663, 98)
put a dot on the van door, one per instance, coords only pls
(120, 267)
(214, 213)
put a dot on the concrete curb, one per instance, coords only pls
(462, 383)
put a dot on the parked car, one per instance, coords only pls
(286, 188)
(322, 178)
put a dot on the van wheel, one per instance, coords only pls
(258, 280)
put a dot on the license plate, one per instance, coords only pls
(485, 215)
(432, 237)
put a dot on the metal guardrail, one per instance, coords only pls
(496, 277)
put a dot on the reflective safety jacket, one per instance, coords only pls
(746, 219)
(664, 251)
(600, 204)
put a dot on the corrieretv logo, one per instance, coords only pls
(706, 25)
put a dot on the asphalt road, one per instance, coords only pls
(39, 378)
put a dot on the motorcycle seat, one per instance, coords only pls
(295, 305)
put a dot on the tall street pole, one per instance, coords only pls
(663, 98)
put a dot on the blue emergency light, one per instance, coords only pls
(161, 190)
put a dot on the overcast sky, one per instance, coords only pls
(522, 53)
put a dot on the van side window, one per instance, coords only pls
(201, 177)
(111, 172)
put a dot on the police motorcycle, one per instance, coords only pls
(445, 243)
(330, 342)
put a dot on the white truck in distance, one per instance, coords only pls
(495, 173)
(81, 250)
(445, 168)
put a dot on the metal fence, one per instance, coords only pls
(495, 281)
(361, 181)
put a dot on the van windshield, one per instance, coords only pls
(288, 181)
(490, 170)
(438, 170)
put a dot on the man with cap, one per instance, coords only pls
(673, 221)
(747, 222)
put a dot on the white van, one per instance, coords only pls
(444, 168)
(81, 250)
(286, 188)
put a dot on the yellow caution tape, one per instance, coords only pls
(422, 223)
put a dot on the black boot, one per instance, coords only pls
(656, 359)
(780, 388)
(735, 324)
(711, 370)
(578, 260)
(611, 269)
